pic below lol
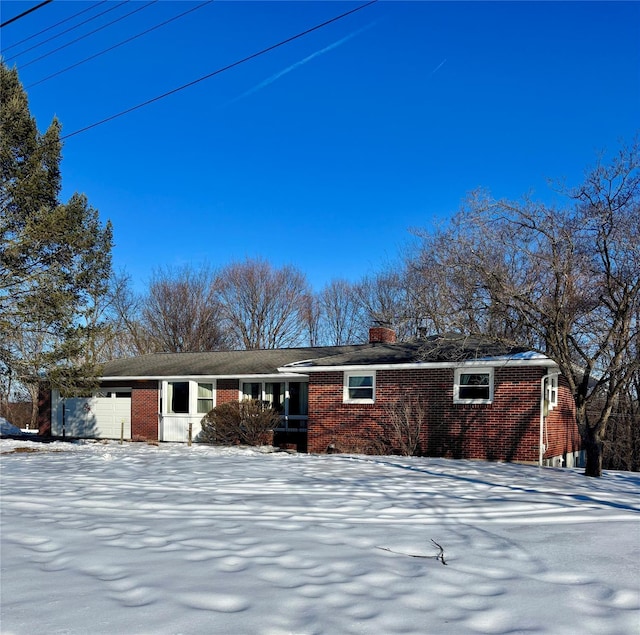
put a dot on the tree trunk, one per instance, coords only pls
(33, 390)
(593, 448)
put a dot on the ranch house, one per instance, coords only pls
(472, 398)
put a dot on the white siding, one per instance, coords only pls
(175, 428)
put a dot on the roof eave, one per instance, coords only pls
(281, 373)
(543, 362)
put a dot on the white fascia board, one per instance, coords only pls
(131, 378)
(495, 362)
(287, 372)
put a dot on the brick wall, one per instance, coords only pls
(227, 390)
(381, 334)
(144, 410)
(562, 433)
(508, 429)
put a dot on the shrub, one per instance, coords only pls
(247, 422)
(405, 421)
(353, 443)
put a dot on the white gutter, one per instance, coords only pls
(287, 373)
(543, 362)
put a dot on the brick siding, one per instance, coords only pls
(227, 390)
(507, 429)
(562, 435)
(144, 410)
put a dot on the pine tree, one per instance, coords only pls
(55, 258)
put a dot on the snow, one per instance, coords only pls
(8, 428)
(141, 539)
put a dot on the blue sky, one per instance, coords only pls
(324, 152)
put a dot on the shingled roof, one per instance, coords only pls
(440, 348)
(451, 347)
(215, 363)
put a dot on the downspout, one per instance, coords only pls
(543, 392)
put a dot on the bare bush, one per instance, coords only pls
(354, 443)
(247, 422)
(405, 420)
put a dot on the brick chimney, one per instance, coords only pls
(381, 335)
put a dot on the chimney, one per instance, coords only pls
(381, 335)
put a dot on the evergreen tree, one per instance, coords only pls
(55, 258)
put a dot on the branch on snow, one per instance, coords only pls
(439, 556)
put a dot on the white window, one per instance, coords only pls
(252, 390)
(205, 398)
(274, 395)
(178, 397)
(289, 398)
(550, 394)
(298, 401)
(359, 387)
(552, 391)
(473, 385)
(187, 397)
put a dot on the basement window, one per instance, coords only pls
(359, 387)
(473, 385)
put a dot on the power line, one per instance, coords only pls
(104, 26)
(53, 26)
(111, 48)
(72, 28)
(220, 70)
(27, 12)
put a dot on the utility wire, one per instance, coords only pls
(53, 37)
(53, 26)
(104, 26)
(220, 70)
(91, 57)
(27, 12)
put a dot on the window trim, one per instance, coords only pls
(285, 413)
(164, 407)
(210, 399)
(171, 396)
(472, 371)
(360, 373)
(552, 390)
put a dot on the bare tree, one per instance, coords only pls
(263, 307)
(621, 445)
(311, 317)
(341, 313)
(179, 313)
(182, 313)
(385, 299)
(564, 281)
(129, 336)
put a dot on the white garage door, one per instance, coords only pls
(106, 415)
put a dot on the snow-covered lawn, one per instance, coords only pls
(138, 539)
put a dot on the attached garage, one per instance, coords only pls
(104, 415)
